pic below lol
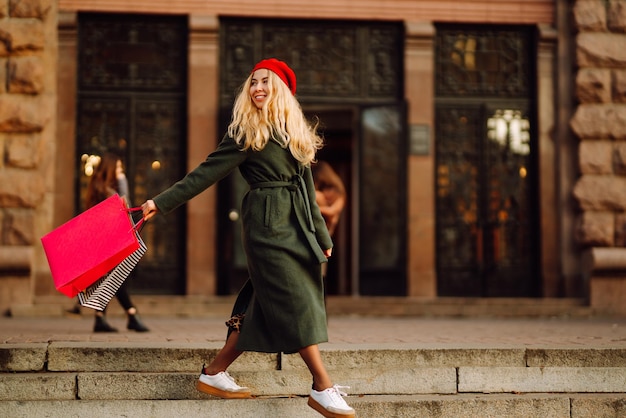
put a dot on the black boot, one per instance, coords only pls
(74, 310)
(101, 325)
(134, 323)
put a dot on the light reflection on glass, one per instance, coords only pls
(509, 129)
(90, 163)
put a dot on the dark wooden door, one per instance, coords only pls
(131, 101)
(486, 163)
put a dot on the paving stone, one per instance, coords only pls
(427, 333)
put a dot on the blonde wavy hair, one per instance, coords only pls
(281, 118)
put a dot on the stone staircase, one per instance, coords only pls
(141, 379)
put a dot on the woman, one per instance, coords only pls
(108, 179)
(330, 194)
(281, 306)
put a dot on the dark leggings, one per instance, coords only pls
(123, 297)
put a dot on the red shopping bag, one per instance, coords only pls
(90, 245)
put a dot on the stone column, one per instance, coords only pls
(202, 139)
(549, 211)
(419, 82)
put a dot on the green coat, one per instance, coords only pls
(284, 236)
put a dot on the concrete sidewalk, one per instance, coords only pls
(409, 331)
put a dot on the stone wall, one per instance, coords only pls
(600, 124)
(27, 130)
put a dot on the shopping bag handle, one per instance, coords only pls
(139, 224)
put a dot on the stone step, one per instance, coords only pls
(186, 357)
(412, 381)
(395, 406)
(145, 371)
(198, 306)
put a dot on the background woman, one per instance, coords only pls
(108, 179)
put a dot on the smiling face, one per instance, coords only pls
(259, 88)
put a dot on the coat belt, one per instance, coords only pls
(296, 183)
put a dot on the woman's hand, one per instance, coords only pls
(149, 209)
(328, 252)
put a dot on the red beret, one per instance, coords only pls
(281, 69)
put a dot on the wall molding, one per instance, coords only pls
(467, 11)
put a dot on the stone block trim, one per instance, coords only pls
(601, 193)
(21, 189)
(590, 15)
(596, 157)
(24, 151)
(600, 121)
(618, 80)
(596, 228)
(616, 16)
(22, 37)
(37, 9)
(593, 85)
(18, 227)
(601, 49)
(25, 75)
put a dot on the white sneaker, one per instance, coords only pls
(222, 385)
(330, 403)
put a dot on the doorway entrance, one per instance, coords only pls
(349, 74)
(131, 101)
(486, 162)
(339, 151)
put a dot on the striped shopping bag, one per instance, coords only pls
(98, 295)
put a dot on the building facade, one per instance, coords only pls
(479, 141)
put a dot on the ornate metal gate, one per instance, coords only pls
(486, 162)
(131, 101)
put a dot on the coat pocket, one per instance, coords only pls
(268, 210)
